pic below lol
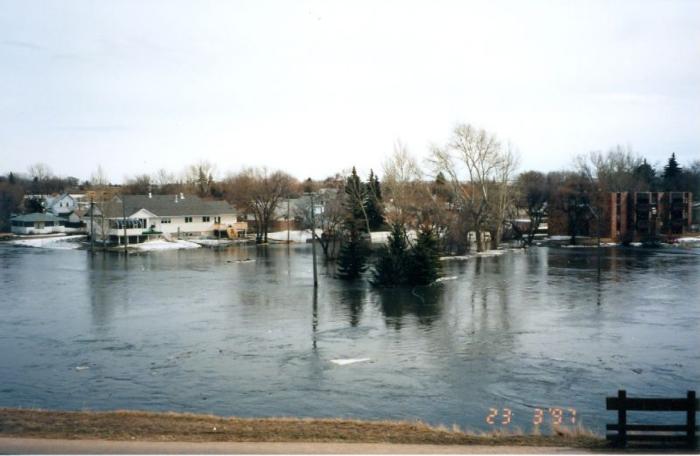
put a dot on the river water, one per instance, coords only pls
(203, 331)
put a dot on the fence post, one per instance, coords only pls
(622, 417)
(690, 420)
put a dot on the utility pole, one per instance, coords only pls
(313, 238)
(287, 219)
(126, 238)
(92, 222)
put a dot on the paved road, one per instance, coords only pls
(10, 445)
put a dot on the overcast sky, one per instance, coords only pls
(312, 87)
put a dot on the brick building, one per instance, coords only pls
(648, 216)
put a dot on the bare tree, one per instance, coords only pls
(138, 185)
(471, 161)
(403, 189)
(329, 220)
(532, 197)
(40, 174)
(257, 191)
(503, 203)
(40, 171)
(199, 177)
(99, 178)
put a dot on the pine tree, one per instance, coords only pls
(11, 178)
(373, 206)
(672, 175)
(391, 267)
(424, 262)
(356, 200)
(352, 258)
(646, 174)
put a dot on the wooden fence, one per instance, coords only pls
(666, 434)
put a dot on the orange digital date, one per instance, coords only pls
(556, 416)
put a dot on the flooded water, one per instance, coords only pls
(201, 331)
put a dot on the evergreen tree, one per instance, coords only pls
(672, 175)
(11, 178)
(423, 261)
(352, 258)
(391, 267)
(373, 206)
(308, 185)
(356, 198)
(32, 205)
(646, 175)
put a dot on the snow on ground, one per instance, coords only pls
(53, 242)
(294, 235)
(161, 244)
(382, 237)
(213, 242)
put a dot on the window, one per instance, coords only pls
(165, 220)
(188, 219)
(217, 219)
(205, 219)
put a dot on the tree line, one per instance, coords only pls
(464, 196)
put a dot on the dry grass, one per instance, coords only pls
(134, 425)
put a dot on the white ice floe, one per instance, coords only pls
(82, 367)
(346, 361)
(161, 244)
(443, 279)
(486, 254)
(54, 242)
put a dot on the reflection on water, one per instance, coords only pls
(242, 331)
(423, 303)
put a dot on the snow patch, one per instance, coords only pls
(58, 242)
(212, 242)
(300, 236)
(694, 241)
(166, 245)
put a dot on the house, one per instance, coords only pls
(37, 223)
(60, 205)
(139, 217)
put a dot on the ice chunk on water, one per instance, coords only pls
(345, 361)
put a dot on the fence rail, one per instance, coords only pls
(671, 434)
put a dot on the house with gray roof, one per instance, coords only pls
(37, 223)
(139, 217)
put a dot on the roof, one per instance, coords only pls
(36, 217)
(167, 206)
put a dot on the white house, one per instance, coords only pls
(62, 204)
(141, 216)
(37, 223)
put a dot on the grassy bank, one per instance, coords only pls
(132, 425)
